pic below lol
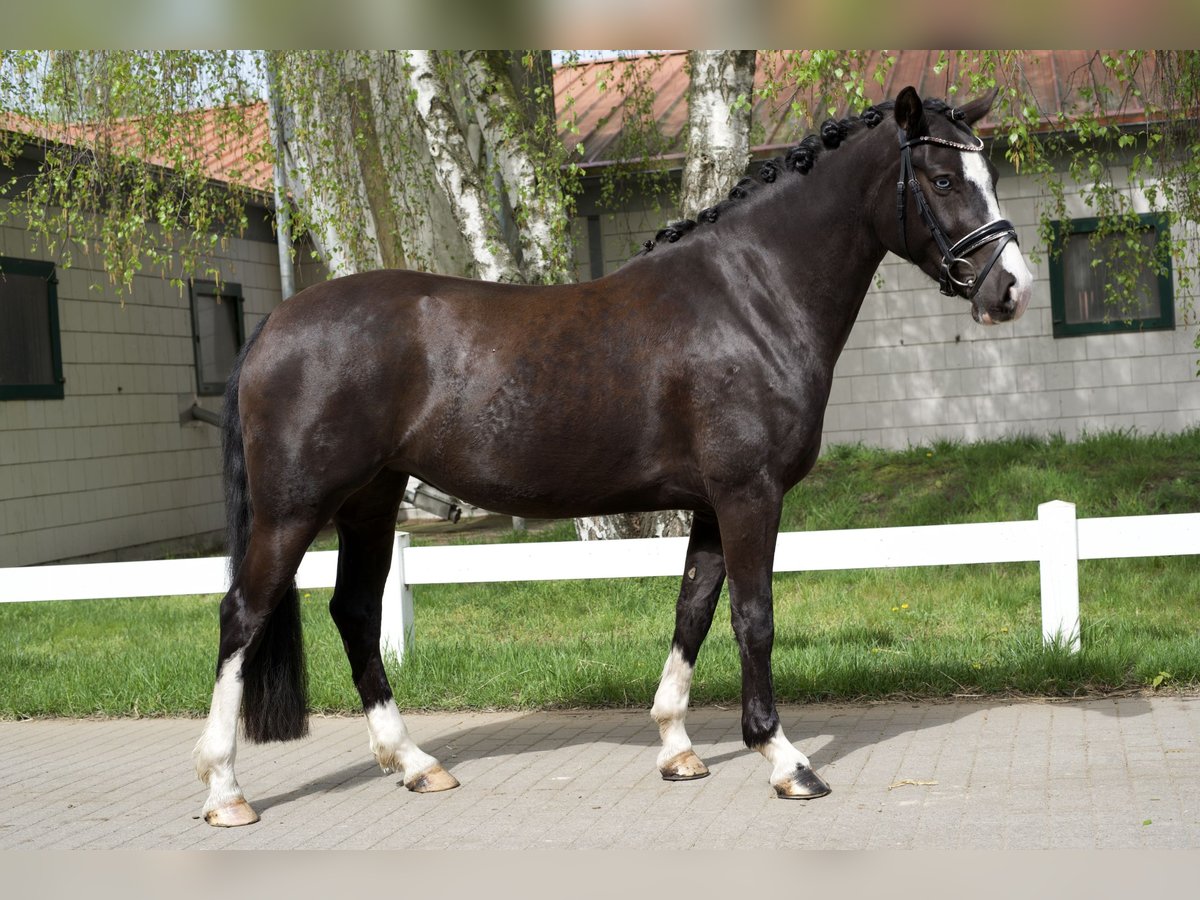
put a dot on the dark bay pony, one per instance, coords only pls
(695, 377)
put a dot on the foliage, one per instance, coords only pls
(328, 102)
(1117, 164)
(636, 172)
(118, 175)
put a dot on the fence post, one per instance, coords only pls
(1059, 573)
(395, 634)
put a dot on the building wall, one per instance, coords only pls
(917, 368)
(112, 471)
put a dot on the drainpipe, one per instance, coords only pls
(200, 414)
(283, 230)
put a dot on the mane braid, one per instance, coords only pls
(799, 159)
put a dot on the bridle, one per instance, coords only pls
(958, 274)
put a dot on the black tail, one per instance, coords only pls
(274, 676)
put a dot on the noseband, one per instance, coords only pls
(957, 274)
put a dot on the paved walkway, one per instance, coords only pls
(1092, 774)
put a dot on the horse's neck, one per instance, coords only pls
(817, 228)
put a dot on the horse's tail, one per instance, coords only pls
(274, 677)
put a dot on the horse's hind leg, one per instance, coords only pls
(263, 580)
(704, 573)
(366, 524)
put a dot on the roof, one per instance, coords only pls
(588, 92)
(231, 155)
(591, 104)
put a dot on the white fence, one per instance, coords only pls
(1056, 540)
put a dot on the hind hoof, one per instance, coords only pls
(432, 781)
(232, 815)
(685, 766)
(804, 784)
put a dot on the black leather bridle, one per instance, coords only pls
(958, 274)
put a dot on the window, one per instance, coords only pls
(217, 332)
(30, 351)
(1079, 300)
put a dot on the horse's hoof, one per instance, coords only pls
(685, 766)
(231, 815)
(804, 784)
(431, 781)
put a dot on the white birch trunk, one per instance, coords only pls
(344, 235)
(539, 212)
(420, 210)
(457, 172)
(720, 100)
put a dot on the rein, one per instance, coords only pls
(958, 274)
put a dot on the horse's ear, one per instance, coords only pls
(910, 112)
(978, 108)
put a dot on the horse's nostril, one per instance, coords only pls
(1011, 301)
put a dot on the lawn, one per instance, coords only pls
(929, 632)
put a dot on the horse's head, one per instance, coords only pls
(949, 219)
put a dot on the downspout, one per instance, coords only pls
(283, 231)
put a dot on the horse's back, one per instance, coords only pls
(517, 397)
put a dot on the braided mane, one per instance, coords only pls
(799, 159)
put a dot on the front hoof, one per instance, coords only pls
(804, 784)
(685, 766)
(232, 815)
(431, 781)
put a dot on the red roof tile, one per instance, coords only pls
(225, 154)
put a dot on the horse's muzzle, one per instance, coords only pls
(1012, 306)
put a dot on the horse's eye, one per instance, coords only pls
(942, 183)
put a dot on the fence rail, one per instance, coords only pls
(1056, 540)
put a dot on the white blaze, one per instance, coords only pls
(976, 172)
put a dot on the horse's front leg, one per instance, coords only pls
(749, 527)
(704, 573)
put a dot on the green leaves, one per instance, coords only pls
(126, 151)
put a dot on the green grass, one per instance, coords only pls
(930, 632)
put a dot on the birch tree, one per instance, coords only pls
(458, 145)
(457, 173)
(718, 139)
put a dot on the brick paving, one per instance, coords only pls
(1101, 773)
